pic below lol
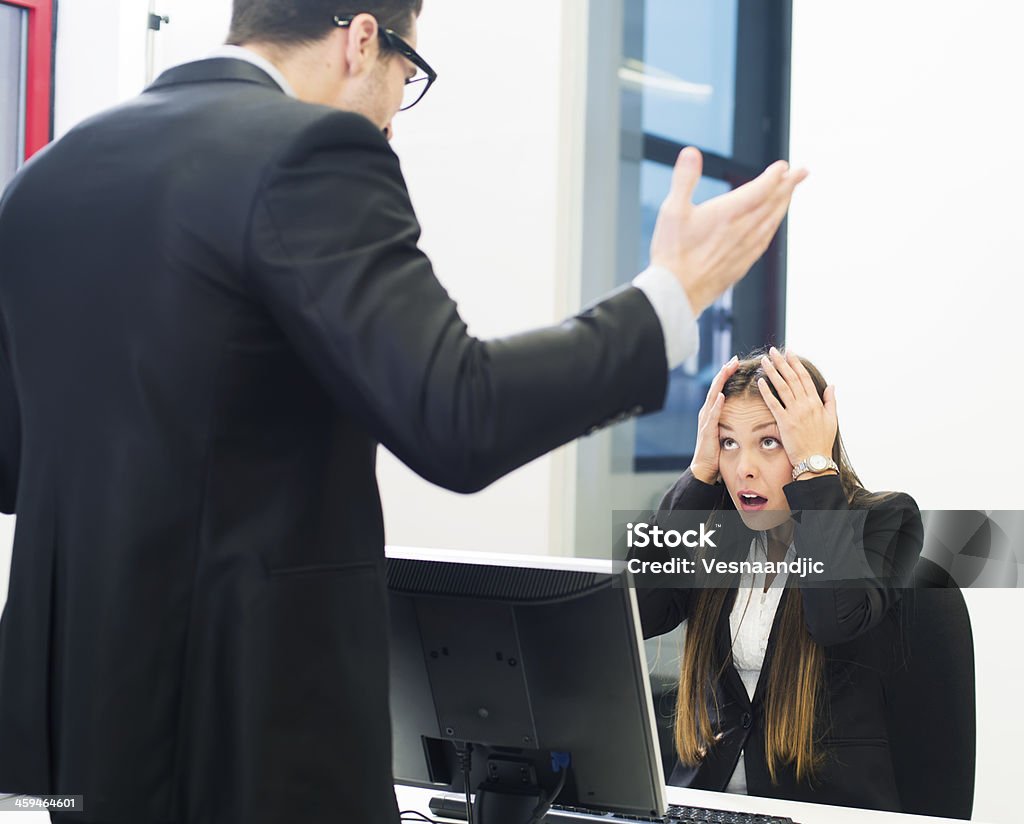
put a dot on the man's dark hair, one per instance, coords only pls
(297, 22)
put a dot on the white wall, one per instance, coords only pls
(491, 157)
(996, 618)
(101, 49)
(905, 273)
(6, 540)
(905, 278)
(100, 58)
(197, 27)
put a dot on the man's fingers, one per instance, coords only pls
(770, 218)
(767, 197)
(796, 176)
(727, 233)
(686, 175)
(753, 225)
(748, 207)
(762, 189)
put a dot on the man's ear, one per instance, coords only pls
(362, 45)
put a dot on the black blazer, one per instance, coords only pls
(858, 627)
(212, 309)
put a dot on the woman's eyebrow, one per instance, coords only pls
(755, 429)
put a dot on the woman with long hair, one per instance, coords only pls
(782, 687)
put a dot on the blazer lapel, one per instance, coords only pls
(731, 681)
(762, 678)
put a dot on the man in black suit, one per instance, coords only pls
(227, 313)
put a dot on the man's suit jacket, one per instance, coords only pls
(212, 309)
(857, 625)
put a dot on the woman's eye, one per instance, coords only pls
(727, 443)
(770, 443)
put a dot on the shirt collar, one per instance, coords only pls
(239, 53)
(760, 542)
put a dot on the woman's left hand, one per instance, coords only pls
(806, 425)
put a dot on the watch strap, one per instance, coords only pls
(805, 466)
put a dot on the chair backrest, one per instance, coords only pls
(931, 699)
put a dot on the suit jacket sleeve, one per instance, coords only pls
(10, 436)
(662, 609)
(876, 565)
(332, 252)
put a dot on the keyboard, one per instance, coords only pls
(451, 808)
(674, 815)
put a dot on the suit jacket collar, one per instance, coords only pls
(214, 70)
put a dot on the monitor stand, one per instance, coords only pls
(489, 807)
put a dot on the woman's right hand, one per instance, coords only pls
(704, 465)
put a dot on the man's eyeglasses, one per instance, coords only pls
(415, 86)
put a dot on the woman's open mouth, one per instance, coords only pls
(751, 501)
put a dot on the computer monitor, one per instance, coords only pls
(535, 663)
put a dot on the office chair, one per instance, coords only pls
(931, 699)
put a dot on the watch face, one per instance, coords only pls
(818, 462)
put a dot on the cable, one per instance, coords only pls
(559, 760)
(417, 816)
(465, 754)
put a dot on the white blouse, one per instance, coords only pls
(751, 622)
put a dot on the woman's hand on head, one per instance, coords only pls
(704, 465)
(807, 425)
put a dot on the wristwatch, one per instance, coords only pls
(816, 464)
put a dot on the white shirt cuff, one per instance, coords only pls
(672, 306)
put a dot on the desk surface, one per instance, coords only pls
(414, 798)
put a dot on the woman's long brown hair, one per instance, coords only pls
(794, 696)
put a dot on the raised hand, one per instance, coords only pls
(711, 246)
(807, 425)
(706, 453)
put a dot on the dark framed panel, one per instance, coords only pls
(737, 56)
(662, 74)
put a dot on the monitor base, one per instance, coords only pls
(489, 807)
